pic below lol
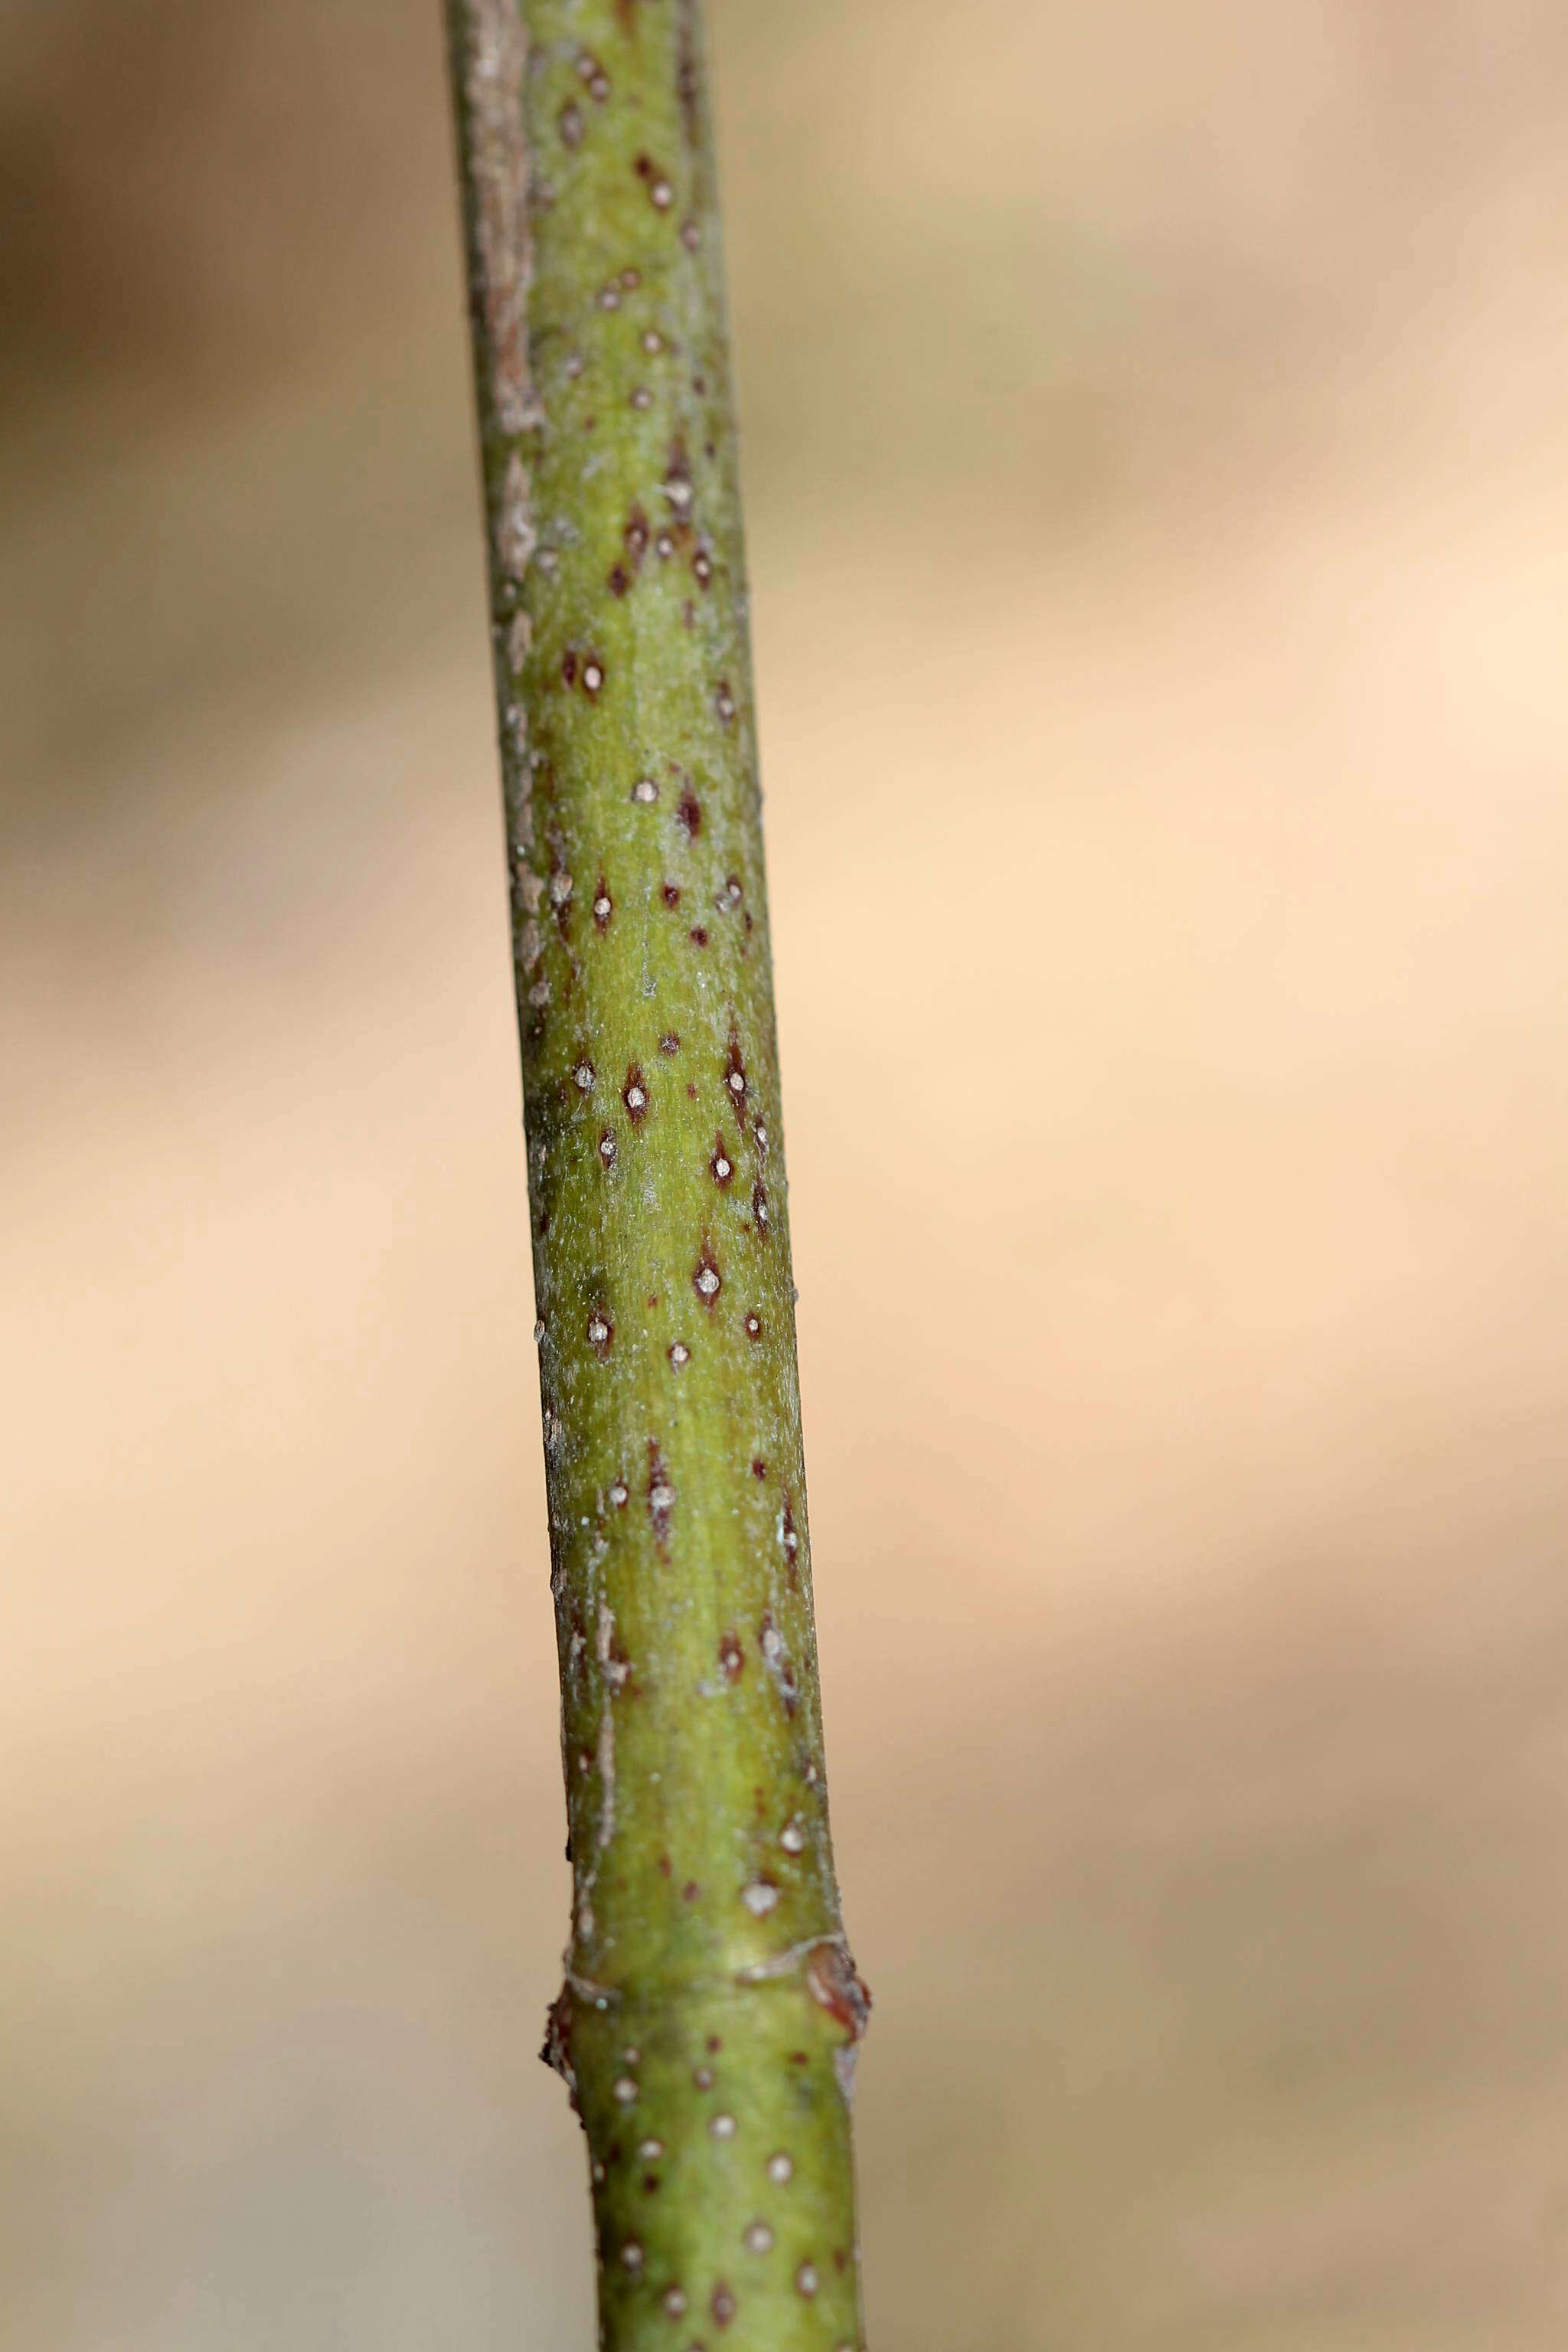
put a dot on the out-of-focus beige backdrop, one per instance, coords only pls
(1158, 473)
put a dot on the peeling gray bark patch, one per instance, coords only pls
(494, 46)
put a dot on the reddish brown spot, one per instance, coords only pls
(759, 1467)
(706, 1278)
(568, 668)
(665, 1866)
(672, 894)
(731, 1658)
(753, 1327)
(690, 1891)
(722, 1167)
(714, 2044)
(835, 1985)
(630, 279)
(760, 1205)
(698, 936)
(691, 1091)
(669, 1042)
(702, 567)
(607, 1147)
(649, 2183)
(791, 1541)
(601, 1334)
(637, 535)
(570, 123)
(840, 2259)
(677, 479)
(634, 1094)
(620, 580)
(603, 905)
(722, 2305)
(688, 810)
(660, 1495)
(643, 166)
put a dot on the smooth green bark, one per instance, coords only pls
(711, 2010)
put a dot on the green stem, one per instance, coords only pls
(709, 2019)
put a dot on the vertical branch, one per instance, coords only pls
(709, 2019)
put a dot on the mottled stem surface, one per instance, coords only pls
(709, 2019)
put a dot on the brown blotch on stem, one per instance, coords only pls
(732, 1657)
(634, 1094)
(688, 811)
(836, 1985)
(556, 2051)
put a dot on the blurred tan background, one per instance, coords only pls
(1158, 472)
